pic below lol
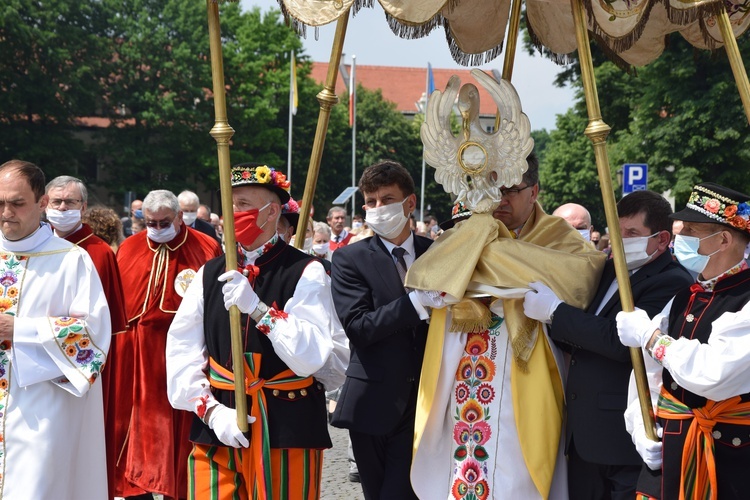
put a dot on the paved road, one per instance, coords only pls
(336, 485)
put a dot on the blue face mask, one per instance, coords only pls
(686, 251)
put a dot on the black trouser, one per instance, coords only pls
(590, 481)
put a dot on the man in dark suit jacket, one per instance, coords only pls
(602, 460)
(387, 332)
(189, 204)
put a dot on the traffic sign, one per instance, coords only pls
(635, 177)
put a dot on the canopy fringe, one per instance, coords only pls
(623, 43)
(559, 59)
(466, 59)
(410, 31)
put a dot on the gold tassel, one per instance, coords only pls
(470, 315)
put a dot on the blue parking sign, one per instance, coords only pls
(635, 177)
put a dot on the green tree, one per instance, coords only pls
(50, 62)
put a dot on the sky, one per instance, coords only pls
(372, 41)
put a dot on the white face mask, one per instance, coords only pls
(686, 251)
(585, 233)
(387, 221)
(308, 244)
(161, 235)
(356, 225)
(189, 217)
(635, 251)
(320, 248)
(64, 221)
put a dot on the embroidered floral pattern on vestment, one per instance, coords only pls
(473, 394)
(74, 340)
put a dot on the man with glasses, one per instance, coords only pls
(157, 265)
(68, 199)
(54, 338)
(602, 461)
(489, 422)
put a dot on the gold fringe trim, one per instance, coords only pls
(470, 315)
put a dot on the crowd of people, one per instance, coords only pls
(116, 368)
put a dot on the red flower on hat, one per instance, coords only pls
(713, 205)
(738, 222)
(246, 174)
(730, 210)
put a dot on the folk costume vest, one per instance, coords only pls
(692, 314)
(296, 419)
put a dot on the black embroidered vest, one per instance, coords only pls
(296, 419)
(693, 319)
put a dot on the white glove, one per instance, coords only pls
(650, 451)
(223, 421)
(540, 302)
(238, 292)
(634, 328)
(429, 298)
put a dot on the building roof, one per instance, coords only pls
(403, 86)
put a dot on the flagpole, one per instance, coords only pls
(353, 106)
(291, 114)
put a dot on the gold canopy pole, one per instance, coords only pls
(222, 133)
(597, 131)
(735, 59)
(510, 47)
(327, 99)
(511, 42)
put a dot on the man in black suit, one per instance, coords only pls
(387, 332)
(189, 203)
(602, 460)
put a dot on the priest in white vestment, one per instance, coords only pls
(54, 337)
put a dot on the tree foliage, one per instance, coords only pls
(142, 68)
(681, 115)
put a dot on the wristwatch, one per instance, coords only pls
(259, 312)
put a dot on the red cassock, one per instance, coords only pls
(151, 437)
(106, 266)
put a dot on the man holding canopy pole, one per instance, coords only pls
(293, 347)
(698, 355)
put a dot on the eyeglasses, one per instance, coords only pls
(161, 224)
(69, 202)
(511, 192)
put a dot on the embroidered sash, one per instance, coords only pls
(223, 378)
(698, 470)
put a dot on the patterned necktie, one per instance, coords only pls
(399, 252)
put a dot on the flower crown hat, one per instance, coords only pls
(711, 202)
(290, 211)
(458, 213)
(257, 174)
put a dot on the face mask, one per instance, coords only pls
(246, 229)
(585, 233)
(64, 221)
(356, 225)
(308, 244)
(161, 235)
(189, 217)
(320, 248)
(387, 221)
(282, 237)
(635, 251)
(686, 251)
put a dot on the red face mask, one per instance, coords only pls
(246, 229)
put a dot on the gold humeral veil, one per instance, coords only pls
(481, 250)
